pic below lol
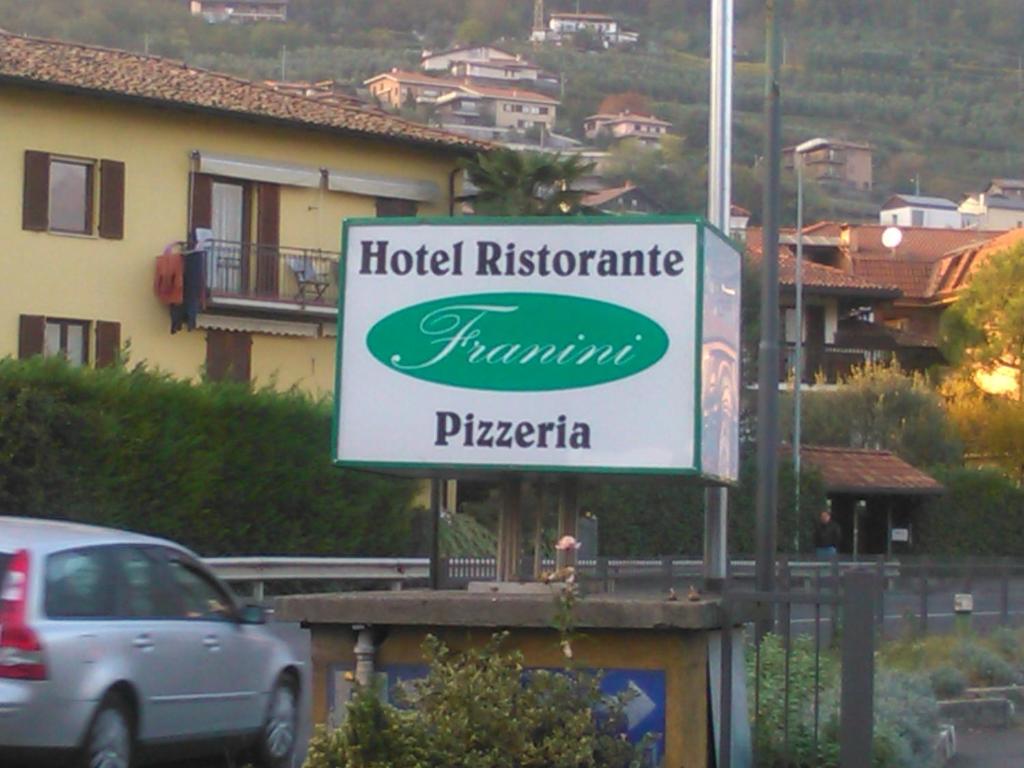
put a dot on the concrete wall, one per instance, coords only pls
(85, 277)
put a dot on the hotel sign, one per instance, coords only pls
(566, 345)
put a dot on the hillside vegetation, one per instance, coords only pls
(936, 85)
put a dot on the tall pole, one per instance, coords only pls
(768, 351)
(716, 500)
(798, 358)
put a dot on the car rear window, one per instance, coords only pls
(80, 584)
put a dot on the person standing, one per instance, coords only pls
(827, 536)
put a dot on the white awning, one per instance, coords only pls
(257, 325)
(372, 185)
(253, 169)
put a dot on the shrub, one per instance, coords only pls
(217, 466)
(982, 665)
(948, 682)
(479, 709)
(1007, 643)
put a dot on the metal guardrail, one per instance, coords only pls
(256, 571)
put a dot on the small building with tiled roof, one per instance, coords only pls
(564, 25)
(874, 495)
(999, 206)
(647, 129)
(628, 199)
(239, 11)
(400, 88)
(483, 110)
(114, 158)
(920, 211)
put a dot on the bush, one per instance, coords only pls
(480, 709)
(217, 466)
(983, 666)
(948, 682)
(1007, 643)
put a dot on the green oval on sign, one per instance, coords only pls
(517, 342)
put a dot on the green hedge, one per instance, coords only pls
(217, 467)
(980, 515)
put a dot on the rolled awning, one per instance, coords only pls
(373, 185)
(253, 169)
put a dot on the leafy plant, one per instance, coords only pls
(982, 665)
(481, 708)
(948, 682)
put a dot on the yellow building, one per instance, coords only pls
(108, 157)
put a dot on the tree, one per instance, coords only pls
(879, 407)
(984, 330)
(526, 183)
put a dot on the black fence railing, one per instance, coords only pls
(271, 273)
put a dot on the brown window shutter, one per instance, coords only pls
(268, 222)
(228, 356)
(268, 238)
(108, 343)
(390, 206)
(35, 207)
(112, 199)
(202, 201)
(31, 332)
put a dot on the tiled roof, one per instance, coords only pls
(510, 94)
(819, 277)
(919, 201)
(591, 16)
(912, 277)
(919, 243)
(954, 272)
(856, 470)
(633, 117)
(418, 78)
(118, 74)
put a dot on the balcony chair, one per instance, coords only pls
(311, 283)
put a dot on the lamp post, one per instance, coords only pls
(798, 357)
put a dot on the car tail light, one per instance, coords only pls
(21, 653)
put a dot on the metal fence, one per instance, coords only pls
(788, 725)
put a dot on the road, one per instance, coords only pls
(984, 748)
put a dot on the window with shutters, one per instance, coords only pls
(73, 195)
(69, 338)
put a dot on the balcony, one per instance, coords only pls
(831, 363)
(271, 278)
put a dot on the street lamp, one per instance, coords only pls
(798, 357)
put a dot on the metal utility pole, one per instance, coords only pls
(768, 351)
(798, 358)
(716, 500)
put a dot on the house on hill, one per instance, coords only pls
(398, 88)
(191, 214)
(442, 61)
(1000, 206)
(837, 162)
(604, 28)
(920, 211)
(239, 11)
(493, 113)
(628, 199)
(647, 129)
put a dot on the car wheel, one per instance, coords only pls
(109, 741)
(280, 727)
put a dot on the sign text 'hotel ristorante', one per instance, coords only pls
(595, 345)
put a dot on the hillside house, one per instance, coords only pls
(628, 199)
(442, 61)
(498, 111)
(920, 211)
(837, 162)
(604, 28)
(398, 88)
(1000, 206)
(239, 11)
(646, 129)
(113, 159)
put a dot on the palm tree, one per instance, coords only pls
(526, 183)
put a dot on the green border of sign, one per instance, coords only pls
(420, 469)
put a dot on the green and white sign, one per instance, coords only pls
(566, 345)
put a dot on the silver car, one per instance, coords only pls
(118, 649)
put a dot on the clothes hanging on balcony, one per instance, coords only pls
(193, 293)
(169, 282)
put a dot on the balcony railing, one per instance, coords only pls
(276, 274)
(830, 362)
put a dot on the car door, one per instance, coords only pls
(153, 651)
(208, 619)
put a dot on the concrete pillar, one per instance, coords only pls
(365, 650)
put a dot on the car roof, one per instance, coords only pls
(51, 535)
